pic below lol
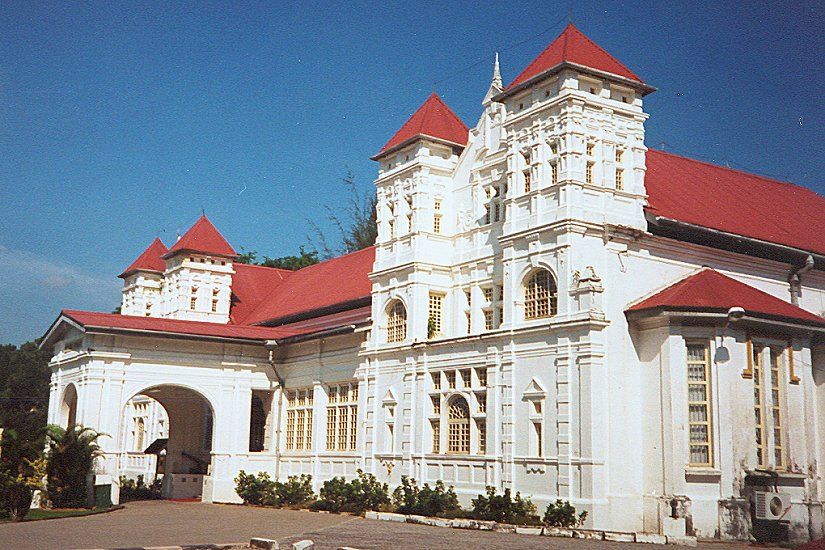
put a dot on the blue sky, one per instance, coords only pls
(120, 121)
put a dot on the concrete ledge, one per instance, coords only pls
(478, 525)
(264, 544)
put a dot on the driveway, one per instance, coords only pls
(165, 523)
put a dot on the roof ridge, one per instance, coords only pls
(737, 170)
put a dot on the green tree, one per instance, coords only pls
(355, 220)
(71, 456)
(303, 259)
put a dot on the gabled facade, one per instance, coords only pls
(549, 307)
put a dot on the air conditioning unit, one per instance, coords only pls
(772, 506)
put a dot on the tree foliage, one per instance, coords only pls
(71, 456)
(303, 259)
(355, 220)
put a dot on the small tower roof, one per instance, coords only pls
(150, 260)
(203, 238)
(433, 120)
(572, 46)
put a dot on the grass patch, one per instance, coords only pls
(36, 514)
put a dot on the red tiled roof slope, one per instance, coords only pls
(736, 202)
(150, 260)
(710, 291)
(434, 119)
(250, 285)
(204, 238)
(573, 46)
(323, 285)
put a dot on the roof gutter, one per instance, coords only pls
(818, 259)
(408, 141)
(346, 329)
(722, 317)
(91, 329)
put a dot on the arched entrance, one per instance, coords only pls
(184, 455)
(68, 407)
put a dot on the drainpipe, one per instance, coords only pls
(278, 419)
(795, 278)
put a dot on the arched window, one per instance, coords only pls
(397, 322)
(458, 426)
(540, 295)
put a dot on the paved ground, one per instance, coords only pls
(164, 523)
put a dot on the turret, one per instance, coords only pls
(198, 275)
(142, 282)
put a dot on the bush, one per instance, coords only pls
(563, 514)
(71, 455)
(258, 490)
(503, 508)
(427, 501)
(296, 491)
(362, 493)
(131, 489)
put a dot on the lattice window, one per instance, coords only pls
(436, 425)
(481, 425)
(759, 407)
(588, 175)
(436, 399)
(436, 376)
(590, 149)
(619, 179)
(342, 412)
(450, 374)
(776, 407)
(397, 322)
(299, 419)
(699, 412)
(481, 374)
(437, 224)
(528, 180)
(540, 295)
(458, 427)
(436, 306)
(619, 154)
(193, 299)
(466, 377)
(554, 172)
(488, 319)
(482, 401)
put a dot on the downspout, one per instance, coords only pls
(278, 420)
(795, 278)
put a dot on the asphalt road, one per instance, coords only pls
(165, 523)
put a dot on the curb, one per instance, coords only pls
(591, 534)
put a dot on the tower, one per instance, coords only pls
(416, 219)
(143, 281)
(198, 275)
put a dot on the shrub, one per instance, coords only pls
(258, 490)
(563, 514)
(71, 455)
(503, 508)
(131, 489)
(427, 501)
(296, 491)
(362, 493)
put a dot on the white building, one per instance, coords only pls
(550, 307)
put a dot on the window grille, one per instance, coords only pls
(299, 420)
(699, 414)
(540, 295)
(458, 427)
(397, 322)
(776, 408)
(436, 303)
(759, 407)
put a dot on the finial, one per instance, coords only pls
(496, 73)
(570, 14)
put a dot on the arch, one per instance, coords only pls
(541, 294)
(458, 425)
(396, 325)
(68, 406)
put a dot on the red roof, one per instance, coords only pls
(204, 238)
(324, 285)
(573, 47)
(433, 119)
(250, 285)
(703, 194)
(150, 260)
(710, 291)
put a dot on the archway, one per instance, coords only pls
(68, 407)
(184, 456)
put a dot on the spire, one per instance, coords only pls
(150, 260)
(204, 238)
(435, 120)
(572, 46)
(496, 86)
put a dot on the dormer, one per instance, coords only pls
(198, 275)
(143, 281)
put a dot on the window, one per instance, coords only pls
(215, 292)
(466, 377)
(436, 399)
(527, 181)
(410, 222)
(776, 407)
(450, 379)
(554, 173)
(469, 322)
(148, 310)
(193, 299)
(397, 322)
(488, 319)
(540, 295)
(437, 223)
(436, 303)
(391, 226)
(436, 380)
(481, 374)
(699, 413)
(257, 425)
(481, 397)
(436, 425)
(590, 148)
(537, 440)
(458, 426)
(619, 179)
(342, 414)
(619, 153)
(758, 406)
(588, 176)
(437, 204)
(299, 419)
(481, 425)
(554, 148)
